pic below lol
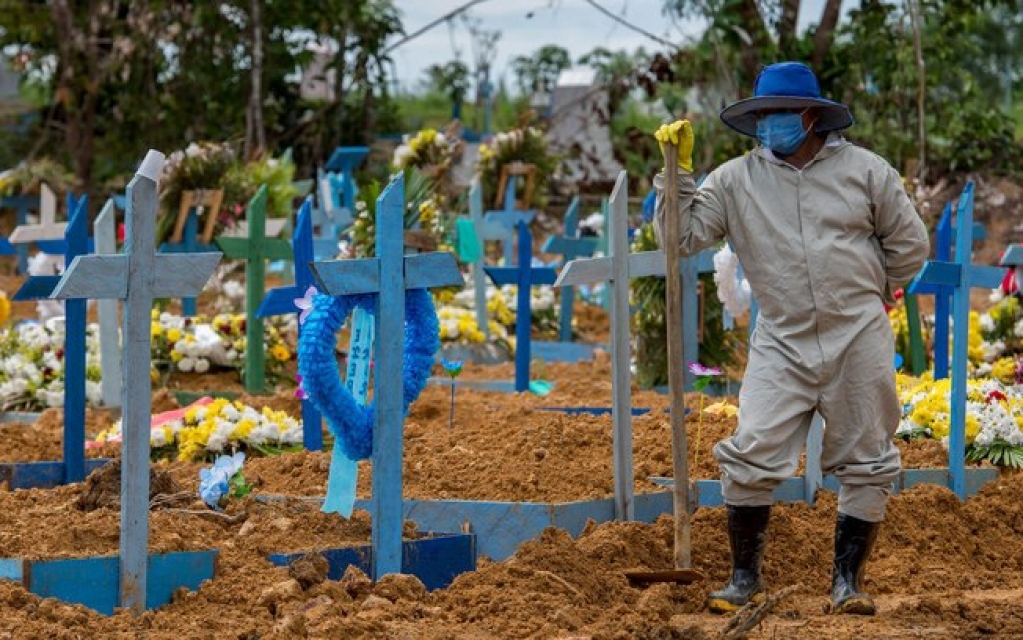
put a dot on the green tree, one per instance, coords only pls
(451, 79)
(540, 70)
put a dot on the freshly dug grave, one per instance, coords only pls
(942, 569)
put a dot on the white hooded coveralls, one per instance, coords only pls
(822, 248)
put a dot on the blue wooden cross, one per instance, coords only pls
(47, 234)
(942, 294)
(76, 240)
(960, 276)
(281, 301)
(21, 204)
(342, 163)
(570, 245)
(525, 276)
(1013, 258)
(186, 238)
(389, 275)
(137, 276)
(325, 219)
(506, 220)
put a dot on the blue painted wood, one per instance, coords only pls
(436, 559)
(144, 274)
(570, 246)
(961, 275)
(942, 295)
(524, 276)
(565, 351)
(507, 220)
(281, 301)
(76, 238)
(394, 273)
(189, 244)
(94, 582)
(21, 205)
(1013, 256)
(593, 411)
(40, 475)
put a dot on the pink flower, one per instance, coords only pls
(306, 304)
(698, 369)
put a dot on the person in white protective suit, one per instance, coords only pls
(826, 233)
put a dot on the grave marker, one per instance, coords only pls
(506, 220)
(138, 276)
(960, 276)
(255, 250)
(109, 335)
(76, 240)
(570, 246)
(21, 204)
(388, 275)
(524, 276)
(281, 300)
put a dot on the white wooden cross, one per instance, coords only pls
(137, 277)
(47, 228)
(105, 231)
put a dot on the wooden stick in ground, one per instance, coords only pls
(753, 613)
(676, 361)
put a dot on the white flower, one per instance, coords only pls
(202, 365)
(186, 364)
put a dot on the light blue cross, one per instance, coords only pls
(388, 275)
(137, 276)
(571, 246)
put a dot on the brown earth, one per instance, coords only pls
(942, 569)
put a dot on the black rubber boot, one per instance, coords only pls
(747, 536)
(854, 540)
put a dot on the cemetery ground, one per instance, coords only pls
(943, 568)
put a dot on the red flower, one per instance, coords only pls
(995, 396)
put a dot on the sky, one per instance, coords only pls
(526, 25)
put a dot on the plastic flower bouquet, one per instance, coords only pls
(32, 366)
(994, 417)
(221, 426)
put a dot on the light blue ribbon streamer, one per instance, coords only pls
(343, 477)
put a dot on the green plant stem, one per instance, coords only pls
(451, 413)
(699, 433)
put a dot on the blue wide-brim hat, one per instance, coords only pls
(786, 85)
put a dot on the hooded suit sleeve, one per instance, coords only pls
(900, 231)
(702, 211)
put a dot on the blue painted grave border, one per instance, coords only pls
(95, 581)
(436, 559)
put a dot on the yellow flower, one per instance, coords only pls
(156, 329)
(174, 334)
(280, 353)
(5, 308)
(722, 409)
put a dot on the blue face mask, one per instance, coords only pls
(782, 133)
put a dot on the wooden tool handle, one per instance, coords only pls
(676, 360)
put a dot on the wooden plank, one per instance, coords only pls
(426, 270)
(347, 277)
(40, 475)
(281, 301)
(435, 559)
(565, 351)
(387, 387)
(1013, 256)
(47, 228)
(104, 229)
(479, 282)
(814, 478)
(94, 581)
(586, 271)
(621, 387)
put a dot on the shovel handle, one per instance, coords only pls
(676, 361)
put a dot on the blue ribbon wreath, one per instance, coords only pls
(350, 422)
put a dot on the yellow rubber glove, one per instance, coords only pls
(679, 132)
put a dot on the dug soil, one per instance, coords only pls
(942, 569)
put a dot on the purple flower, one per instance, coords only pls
(300, 393)
(306, 303)
(698, 369)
